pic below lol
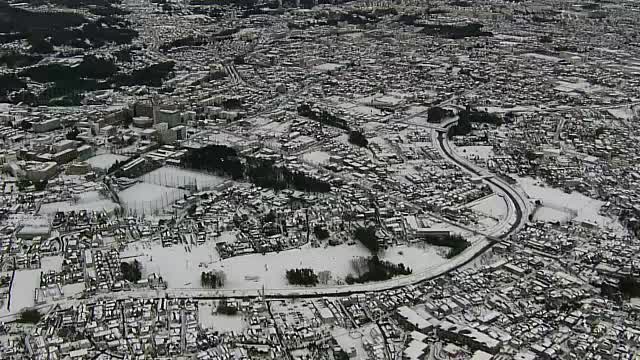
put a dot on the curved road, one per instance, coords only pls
(515, 201)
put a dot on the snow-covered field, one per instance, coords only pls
(51, 263)
(492, 206)
(475, 152)
(148, 198)
(174, 177)
(91, 200)
(210, 320)
(104, 161)
(23, 291)
(551, 215)
(182, 269)
(625, 112)
(317, 157)
(587, 209)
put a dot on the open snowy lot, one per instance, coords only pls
(549, 214)
(171, 176)
(149, 198)
(492, 206)
(317, 157)
(209, 319)
(625, 112)
(586, 208)
(182, 268)
(475, 152)
(90, 200)
(23, 290)
(104, 161)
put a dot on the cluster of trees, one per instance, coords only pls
(14, 59)
(66, 28)
(468, 116)
(39, 185)
(185, 41)
(70, 81)
(17, 20)
(225, 309)
(220, 159)
(320, 232)
(30, 316)
(118, 165)
(213, 279)
(626, 288)
(303, 276)
(367, 236)
(152, 75)
(266, 173)
(455, 31)
(455, 242)
(72, 134)
(124, 55)
(225, 161)
(10, 83)
(630, 287)
(131, 271)
(374, 269)
(323, 117)
(436, 114)
(357, 138)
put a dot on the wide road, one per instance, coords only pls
(516, 200)
(517, 217)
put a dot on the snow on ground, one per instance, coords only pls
(317, 157)
(503, 110)
(90, 200)
(182, 269)
(51, 263)
(23, 290)
(148, 198)
(73, 289)
(475, 152)
(104, 161)
(625, 112)
(551, 215)
(586, 208)
(416, 109)
(354, 338)
(210, 320)
(174, 177)
(492, 206)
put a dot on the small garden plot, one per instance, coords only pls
(150, 198)
(105, 161)
(175, 177)
(209, 319)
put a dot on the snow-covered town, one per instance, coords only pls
(327, 179)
